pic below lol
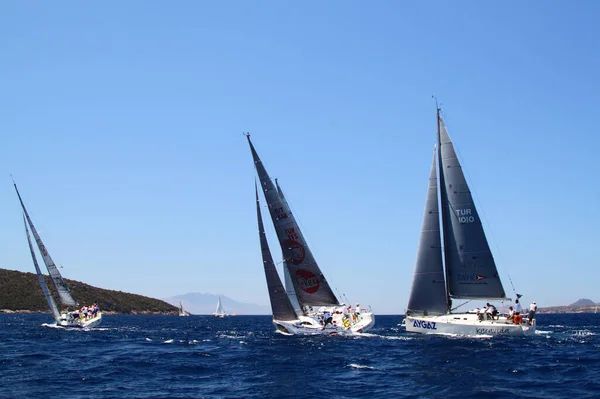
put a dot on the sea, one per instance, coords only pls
(151, 356)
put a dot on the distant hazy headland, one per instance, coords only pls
(581, 306)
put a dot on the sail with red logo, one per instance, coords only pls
(310, 284)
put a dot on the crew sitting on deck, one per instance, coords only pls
(511, 314)
(491, 311)
(327, 319)
(356, 312)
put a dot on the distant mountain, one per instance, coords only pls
(20, 291)
(198, 303)
(583, 302)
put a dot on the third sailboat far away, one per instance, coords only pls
(182, 312)
(219, 312)
(306, 305)
(470, 272)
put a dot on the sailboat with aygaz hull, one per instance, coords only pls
(300, 306)
(465, 268)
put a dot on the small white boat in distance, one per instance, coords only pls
(468, 270)
(67, 319)
(219, 312)
(181, 311)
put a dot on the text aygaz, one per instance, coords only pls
(429, 325)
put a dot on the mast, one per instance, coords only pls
(61, 287)
(41, 279)
(444, 207)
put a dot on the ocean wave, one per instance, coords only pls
(361, 366)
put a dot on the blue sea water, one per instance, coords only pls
(242, 357)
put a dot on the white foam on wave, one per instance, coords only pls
(390, 337)
(361, 366)
(543, 332)
(584, 332)
(461, 336)
(169, 341)
(148, 339)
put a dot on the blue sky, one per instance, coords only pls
(122, 124)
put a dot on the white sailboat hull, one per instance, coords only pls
(307, 325)
(67, 322)
(466, 324)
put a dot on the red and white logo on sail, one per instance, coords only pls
(479, 277)
(295, 251)
(307, 281)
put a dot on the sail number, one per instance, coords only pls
(291, 233)
(464, 216)
(280, 213)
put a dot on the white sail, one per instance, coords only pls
(181, 311)
(219, 311)
(42, 280)
(61, 287)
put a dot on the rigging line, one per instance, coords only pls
(462, 304)
(481, 208)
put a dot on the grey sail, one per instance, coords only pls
(470, 268)
(42, 280)
(428, 289)
(309, 282)
(280, 303)
(61, 287)
(289, 283)
(291, 290)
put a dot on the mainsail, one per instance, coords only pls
(428, 291)
(42, 280)
(309, 282)
(61, 287)
(470, 268)
(280, 302)
(219, 309)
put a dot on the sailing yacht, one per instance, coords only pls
(219, 312)
(63, 319)
(301, 306)
(463, 268)
(181, 311)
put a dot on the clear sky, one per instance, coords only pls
(122, 124)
